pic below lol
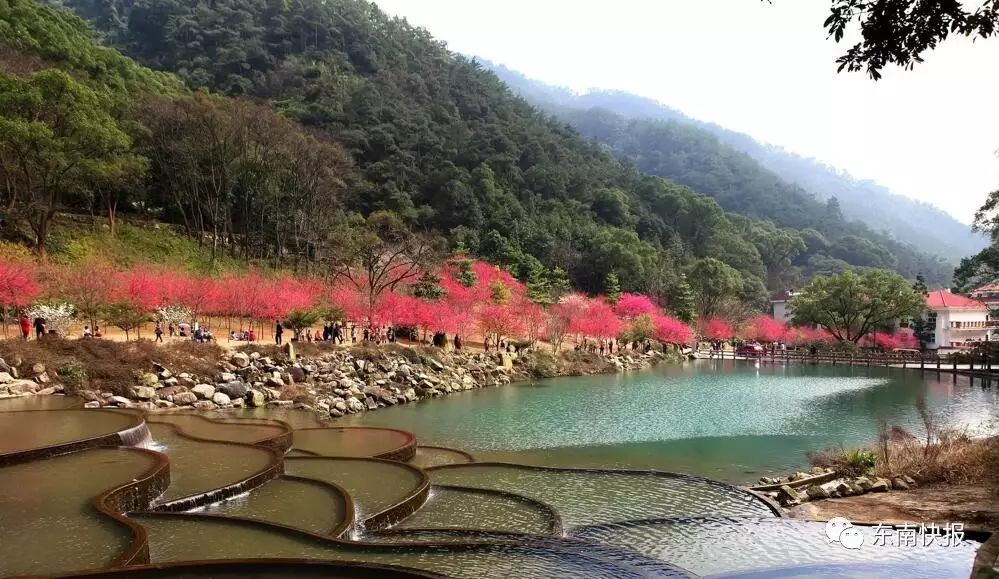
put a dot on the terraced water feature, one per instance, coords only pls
(247, 495)
(35, 434)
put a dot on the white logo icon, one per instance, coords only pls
(840, 530)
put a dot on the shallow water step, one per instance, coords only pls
(766, 546)
(48, 522)
(203, 472)
(294, 417)
(264, 569)
(247, 431)
(33, 434)
(464, 508)
(300, 503)
(590, 496)
(356, 441)
(430, 456)
(180, 536)
(53, 402)
(382, 491)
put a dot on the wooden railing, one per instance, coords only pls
(929, 361)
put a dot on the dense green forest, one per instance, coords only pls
(768, 178)
(287, 122)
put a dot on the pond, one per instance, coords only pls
(728, 420)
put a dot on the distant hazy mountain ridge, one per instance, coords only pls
(910, 221)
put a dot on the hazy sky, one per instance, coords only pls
(763, 69)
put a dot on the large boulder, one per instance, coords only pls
(5, 377)
(234, 389)
(121, 401)
(38, 368)
(354, 405)
(204, 391)
(170, 391)
(381, 395)
(184, 398)
(297, 374)
(240, 359)
(899, 483)
(816, 492)
(150, 379)
(22, 386)
(256, 398)
(221, 399)
(788, 496)
(144, 392)
(880, 486)
(204, 405)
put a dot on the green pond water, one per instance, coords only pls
(727, 420)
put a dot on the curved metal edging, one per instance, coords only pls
(401, 454)
(659, 473)
(281, 441)
(344, 526)
(397, 512)
(499, 540)
(457, 451)
(111, 439)
(363, 570)
(554, 518)
(138, 493)
(272, 471)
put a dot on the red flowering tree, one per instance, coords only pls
(630, 306)
(498, 322)
(766, 329)
(715, 329)
(670, 330)
(17, 287)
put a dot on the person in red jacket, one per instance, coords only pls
(25, 326)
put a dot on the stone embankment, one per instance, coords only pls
(825, 484)
(332, 384)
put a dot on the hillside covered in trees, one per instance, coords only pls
(281, 126)
(748, 177)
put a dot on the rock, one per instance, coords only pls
(204, 405)
(280, 404)
(37, 368)
(4, 366)
(164, 374)
(857, 490)
(22, 386)
(410, 395)
(204, 391)
(787, 496)
(173, 382)
(92, 404)
(222, 399)
(370, 403)
(864, 483)
(254, 355)
(164, 404)
(149, 379)
(816, 492)
(880, 486)
(237, 403)
(144, 392)
(88, 395)
(5, 377)
(909, 480)
(817, 470)
(256, 398)
(404, 370)
(170, 391)
(844, 489)
(436, 365)
(43, 378)
(354, 405)
(899, 484)
(297, 374)
(227, 377)
(240, 359)
(338, 404)
(381, 395)
(159, 367)
(233, 390)
(121, 401)
(274, 382)
(185, 398)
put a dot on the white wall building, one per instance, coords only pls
(959, 321)
(779, 309)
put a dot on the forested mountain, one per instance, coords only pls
(382, 118)
(909, 221)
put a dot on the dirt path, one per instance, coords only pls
(975, 506)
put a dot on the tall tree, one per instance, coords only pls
(850, 306)
(58, 140)
(713, 282)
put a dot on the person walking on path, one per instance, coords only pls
(159, 332)
(25, 326)
(39, 328)
(278, 331)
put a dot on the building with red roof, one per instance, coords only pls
(988, 294)
(958, 321)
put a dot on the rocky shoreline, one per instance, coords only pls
(333, 384)
(825, 483)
